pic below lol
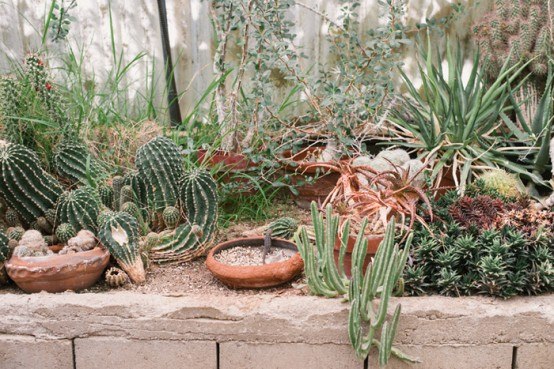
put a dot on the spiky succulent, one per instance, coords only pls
(12, 219)
(73, 161)
(64, 232)
(171, 216)
(25, 186)
(126, 194)
(80, 208)
(4, 247)
(15, 233)
(106, 195)
(283, 227)
(506, 184)
(116, 277)
(117, 184)
(120, 234)
(139, 187)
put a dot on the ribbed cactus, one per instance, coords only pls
(15, 233)
(106, 195)
(160, 164)
(126, 195)
(368, 294)
(283, 227)
(198, 198)
(171, 216)
(4, 247)
(73, 161)
(120, 234)
(515, 30)
(64, 232)
(80, 208)
(12, 219)
(117, 184)
(139, 187)
(24, 185)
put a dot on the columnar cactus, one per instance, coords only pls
(64, 232)
(73, 161)
(160, 164)
(24, 185)
(117, 184)
(12, 219)
(138, 184)
(79, 208)
(4, 247)
(106, 195)
(120, 234)
(198, 198)
(126, 195)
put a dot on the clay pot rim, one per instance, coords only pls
(255, 242)
(55, 262)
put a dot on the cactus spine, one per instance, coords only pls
(12, 219)
(283, 227)
(171, 216)
(138, 185)
(120, 234)
(106, 195)
(79, 208)
(198, 197)
(4, 247)
(64, 232)
(74, 162)
(160, 164)
(24, 185)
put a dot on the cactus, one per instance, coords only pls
(79, 208)
(116, 277)
(117, 184)
(24, 185)
(106, 195)
(64, 232)
(4, 247)
(12, 219)
(44, 226)
(138, 184)
(15, 233)
(126, 194)
(368, 294)
(506, 184)
(73, 161)
(50, 215)
(160, 164)
(198, 197)
(120, 234)
(396, 156)
(171, 217)
(283, 227)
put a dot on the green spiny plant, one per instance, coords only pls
(138, 184)
(80, 208)
(64, 232)
(133, 209)
(12, 219)
(506, 184)
(44, 226)
(160, 164)
(24, 185)
(73, 161)
(171, 216)
(283, 227)
(15, 233)
(126, 195)
(120, 234)
(4, 247)
(117, 184)
(106, 195)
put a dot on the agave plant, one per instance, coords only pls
(457, 125)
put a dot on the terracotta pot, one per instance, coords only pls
(318, 189)
(227, 160)
(259, 276)
(372, 246)
(58, 273)
(446, 183)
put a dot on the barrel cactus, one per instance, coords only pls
(4, 247)
(12, 219)
(106, 195)
(64, 232)
(171, 216)
(138, 185)
(126, 195)
(120, 234)
(160, 164)
(15, 233)
(506, 184)
(24, 185)
(117, 184)
(283, 227)
(73, 161)
(198, 197)
(79, 208)
(116, 277)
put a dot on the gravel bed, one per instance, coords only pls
(252, 256)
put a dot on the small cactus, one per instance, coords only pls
(4, 247)
(138, 184)
(79, 208)
(15, 233)
(117, 184)
(506, 184)
(64, 232)
(283, 227)
(12, 219)
(119, 233)
(116, 277)
(44, 225)
(171, 217)
(106, 195)
(396, 156)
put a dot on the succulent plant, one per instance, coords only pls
(506, 184)
(15, 233)
(106, 195)
(395, 156)
(4, 247)
(126, 194)
(160, 164)
(12, 219)
(138, 184)
(24, 185)
(44, 225)
(79, 207)
(171, 216)
(117, 184)
(283, 227)
(64, 232)
(73, 161)
(116, 277)
(119, 233)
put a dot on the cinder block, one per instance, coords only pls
(113, 352)
(535, 356)
(494, 356)
(23, 352)
(242, 355)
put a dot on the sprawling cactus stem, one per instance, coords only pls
(24, 185)
(367, 325)
(160, 164)
(120, 234)
(73, 161)
(198, 197)
(79, 208)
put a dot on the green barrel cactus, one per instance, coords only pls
(120, 235)
(198, 197)
(4, 247)
(171, 216)
(126, 195)
(25, 186)
(79, 208)
(73, 161)
(138, 184)
(160, 164)
(64, 232)
(283, 227)
(12, 219)
(15, 233)
(106, 195)
(117, 184)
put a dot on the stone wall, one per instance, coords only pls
(129, 330)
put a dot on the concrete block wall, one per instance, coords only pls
(128, 330)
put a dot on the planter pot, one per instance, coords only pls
(300, 169)
(58, 273)
(259, 276)
(446, 183)
(229, 166)
(372, 246)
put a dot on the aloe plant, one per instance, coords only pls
(368, 293)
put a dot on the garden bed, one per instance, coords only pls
(130, 329)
